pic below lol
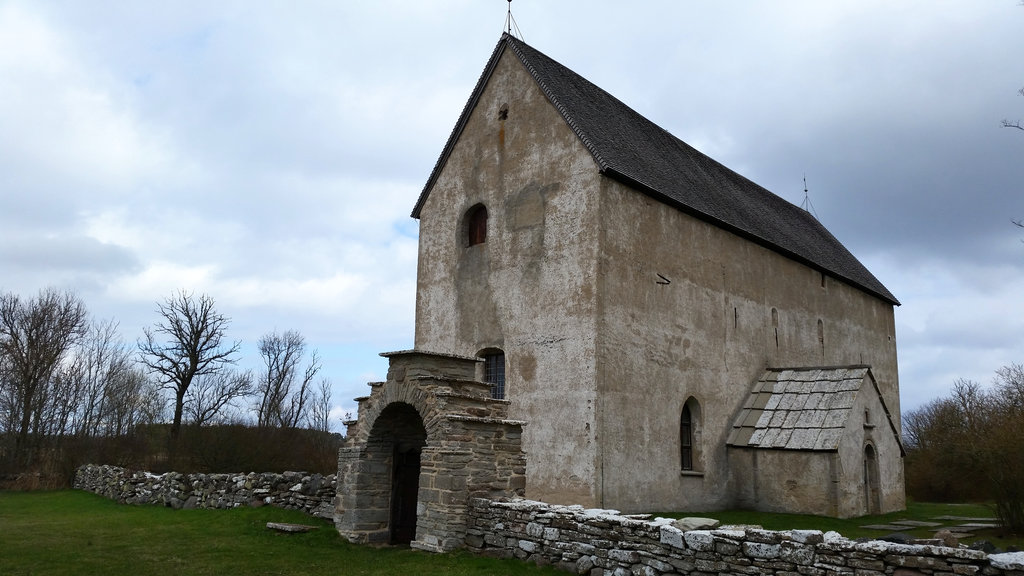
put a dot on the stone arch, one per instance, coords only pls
(425, 442)
(396, 442)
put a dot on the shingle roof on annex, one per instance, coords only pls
(631, 149)
(803, 408)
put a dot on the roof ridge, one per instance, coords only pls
(632, 149)
(553, 98)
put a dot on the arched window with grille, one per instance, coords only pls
(686, 439)
(689, 436)
(494, 371)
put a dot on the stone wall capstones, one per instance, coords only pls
(605, 543)
(311, 493)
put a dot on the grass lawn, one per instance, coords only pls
(79, 533)
(853, 527)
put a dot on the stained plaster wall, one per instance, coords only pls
(708, 333)
(876, 432)
(528, 289)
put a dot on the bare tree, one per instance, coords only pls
(101, 361)
(211, 394)
(1014, 124)
(131, 399)
(35, 337)
(283, 390)
(187, 342)
(320, 417)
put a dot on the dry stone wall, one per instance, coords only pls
(604, 543)
(311, 493)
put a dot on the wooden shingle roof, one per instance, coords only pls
(635, 151)
(804, 408)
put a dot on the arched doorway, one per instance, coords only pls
(396, 440)
(872, 494)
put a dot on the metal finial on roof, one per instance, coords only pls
(806, 204)
(510, 23)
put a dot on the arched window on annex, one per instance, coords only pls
(476, 225)
(690, 438)
(494, 371)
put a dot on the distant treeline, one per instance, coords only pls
(73, 391)
(967, 447)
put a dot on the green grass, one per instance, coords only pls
(852, 527)
(78, 533)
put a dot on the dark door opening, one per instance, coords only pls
(871, 491)
(404, 492)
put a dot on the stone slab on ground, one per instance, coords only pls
(970, 527)
(964, 519)
(917, 523)
(887, 527)
(696, 523)
(290, 528)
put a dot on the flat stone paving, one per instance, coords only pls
(960, 526)
(917, 523)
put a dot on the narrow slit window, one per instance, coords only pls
(686, 439)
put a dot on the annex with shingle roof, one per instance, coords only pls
(804, 408)
(627, 294)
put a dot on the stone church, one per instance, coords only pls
(668, 334)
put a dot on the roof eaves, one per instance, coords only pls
(640, 185)
(888, 415)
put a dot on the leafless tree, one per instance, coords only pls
(1014, 124)
(101, 362)
(187, 342)
(320, 415)
(283, 390)
(131, 399)
(967, 445)
(35, 337)
(210, 395)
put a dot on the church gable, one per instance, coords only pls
(633, 150)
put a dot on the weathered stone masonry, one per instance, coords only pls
(604, 543)
(424, 443)
(311, 493)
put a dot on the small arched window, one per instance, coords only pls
(494, 372)
(476, 225)
(689, 437)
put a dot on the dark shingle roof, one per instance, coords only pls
(633, 150)
(803, 408)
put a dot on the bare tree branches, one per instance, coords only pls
(35, 337)
(1016, 124)
(211, 394)
(283, 392)
(320, 415)
(186, 343)
(967, 445)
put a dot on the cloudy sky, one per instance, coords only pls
(269, 153)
